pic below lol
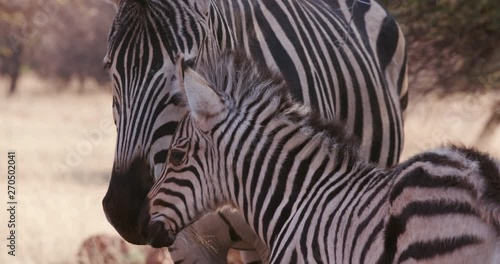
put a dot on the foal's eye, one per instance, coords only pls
(176, 157)
(189, 63)
(106, 66)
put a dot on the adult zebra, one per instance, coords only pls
(346, 59)
(301, 185)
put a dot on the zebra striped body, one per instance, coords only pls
(303, 187)
(346, 59)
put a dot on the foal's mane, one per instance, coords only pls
(243, 81)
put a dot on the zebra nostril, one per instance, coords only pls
(158, 236)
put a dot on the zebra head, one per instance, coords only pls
(195, 179)
(145, 37)
(176, 199)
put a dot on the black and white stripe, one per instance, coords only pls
(303, 187)
(346, 59)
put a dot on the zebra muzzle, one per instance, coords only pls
(153, 231)
(158, 236)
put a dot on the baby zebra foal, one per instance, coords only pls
(302, 186)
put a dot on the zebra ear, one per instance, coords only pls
(114, 2)
(204, 103)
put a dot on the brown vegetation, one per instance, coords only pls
(56, 39)
(106, 249)
(453, 44)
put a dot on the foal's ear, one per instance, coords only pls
(116, 3)
(204, 103)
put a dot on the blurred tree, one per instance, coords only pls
(76, 42)
(57, 39)
(452, 43)
(11, 50)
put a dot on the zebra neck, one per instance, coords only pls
(219, 36)
(282, 171)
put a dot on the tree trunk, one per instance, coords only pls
(15, 67)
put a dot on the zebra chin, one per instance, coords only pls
(154, 232)
(158, 236)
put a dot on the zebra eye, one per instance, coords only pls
(176, 157)
(106, 65)
(189, 63)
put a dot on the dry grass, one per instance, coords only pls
(58, 209)
(460, 119)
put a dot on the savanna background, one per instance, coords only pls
(55, 112)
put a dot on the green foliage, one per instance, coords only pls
(453, 41)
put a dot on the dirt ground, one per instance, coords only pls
(64, 143)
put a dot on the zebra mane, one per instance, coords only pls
(234, 75)
(242, 82)
(142, 2)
